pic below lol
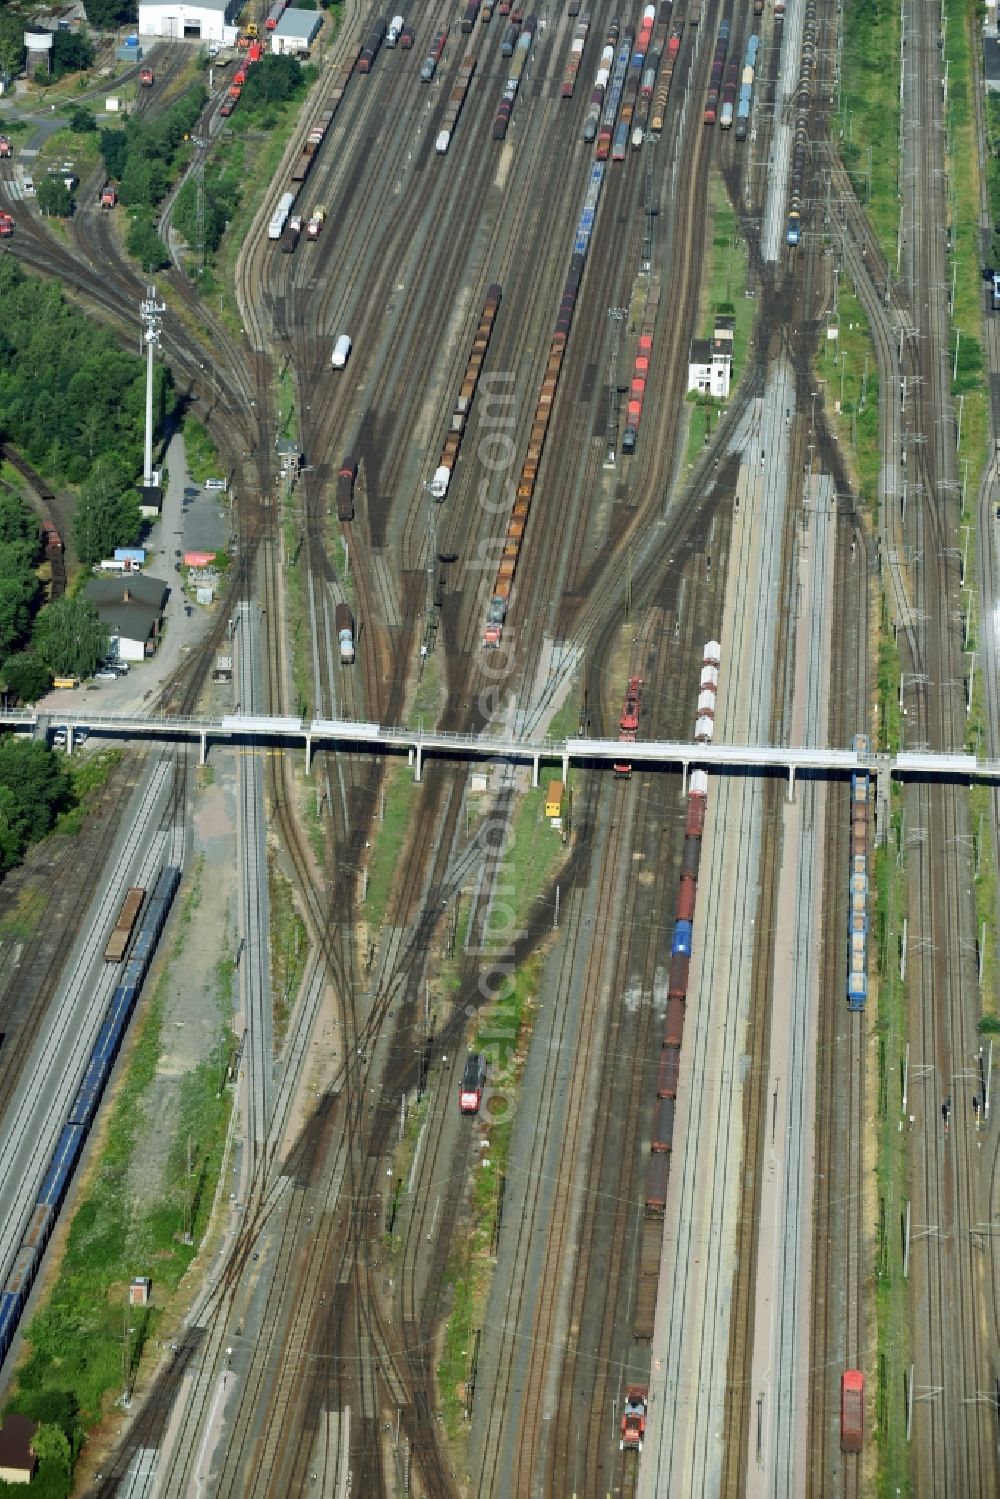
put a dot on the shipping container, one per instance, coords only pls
(682, 938)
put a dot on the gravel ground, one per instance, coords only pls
(193, 1005)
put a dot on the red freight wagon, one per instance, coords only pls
(673, 1029)
(680, 965)
(694, 825)
(852, 1410)
(686, 894)
(657, 1177)
(666, 1078)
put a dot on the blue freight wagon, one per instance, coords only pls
(682, 938)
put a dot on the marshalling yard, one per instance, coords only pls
(688, 1066)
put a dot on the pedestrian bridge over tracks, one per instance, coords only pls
(353, 737)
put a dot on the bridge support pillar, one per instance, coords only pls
(685, 767)
(791, 783)
(534, 770)
(69, 739)
(565, 775)
(419, 762)
(202, 747)
(309, 754)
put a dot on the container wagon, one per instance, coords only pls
(128, 915)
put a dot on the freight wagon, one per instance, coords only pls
(345, 487)
(657, 1181)
(122, 934)
(852, 1410)
(650, 1251)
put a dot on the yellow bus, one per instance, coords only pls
(66, 682)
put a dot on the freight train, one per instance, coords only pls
(455, 102)
(517, 65)
(640, 371)
(466, 395)
(601, 80)
(666, 77)
(70, 1144)
(662, 1133)
(803, 106)
(746, 88)
(304, 162)
(857, 928)
(575, 57)
(504, 580)
(715, 77)
(612, 100)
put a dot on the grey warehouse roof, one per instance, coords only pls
(991, 60)
(191, 6)
(303, 24)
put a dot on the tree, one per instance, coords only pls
(19, 591)
(70, 638)
(33, 787)
(81, 121)
(273, 80)
(25, 676)
(54, 197)
(145, 245)
(114, 149)
(107, 14)
(52, 1448)
(72, 52)
(17, 522)
(107, 513)
(11, 44)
